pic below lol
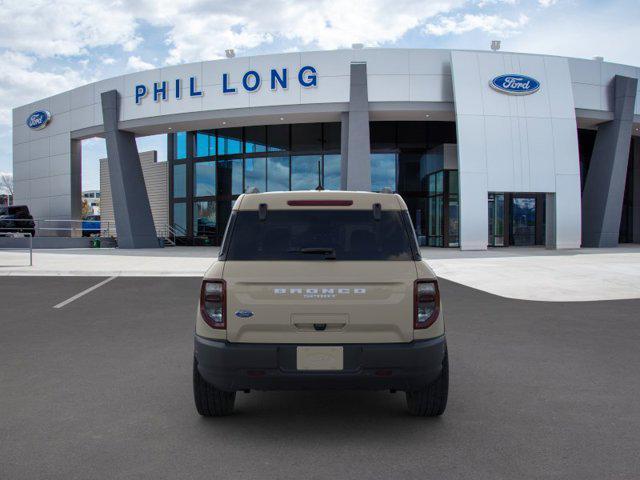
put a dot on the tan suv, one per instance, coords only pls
(320, 290)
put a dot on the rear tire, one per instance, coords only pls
(432, 401)
(210, 402)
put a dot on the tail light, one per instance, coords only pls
(426, 303)
(213, 303)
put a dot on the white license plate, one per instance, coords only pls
(320, 358)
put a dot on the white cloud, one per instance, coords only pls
(66, 27)
(493, 24)
(324, 24)
(21, 83)
(583, 34)
(547, 3)
(135, 64)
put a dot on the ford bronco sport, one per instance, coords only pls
(320, 290)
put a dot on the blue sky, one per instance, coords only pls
(51, 46)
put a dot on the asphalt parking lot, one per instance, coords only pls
(101, 388)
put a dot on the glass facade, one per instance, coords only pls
(408, 158)
(211, 168)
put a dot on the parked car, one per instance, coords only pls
(16, 219)
(91, 225)
(320, 290)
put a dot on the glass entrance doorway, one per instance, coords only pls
(496, 220)
(523, 221)
(516, 219)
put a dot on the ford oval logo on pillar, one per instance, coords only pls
(38, 119)
(515, 84)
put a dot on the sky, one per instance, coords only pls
(47, 47)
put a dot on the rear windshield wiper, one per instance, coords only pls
(330, 253)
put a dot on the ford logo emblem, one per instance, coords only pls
(515, 84)
(38, 119)
(244, 313)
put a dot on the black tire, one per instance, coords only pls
(210, 402)
(432, 401)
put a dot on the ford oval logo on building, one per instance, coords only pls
(515, 84)
(38, 119)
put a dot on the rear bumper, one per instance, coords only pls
(390, 366)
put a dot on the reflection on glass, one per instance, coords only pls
(255, 173)
(180, 150)
(205, 143)
(454, 223)
(304, 172)
(180, 180)
(435, 221)
(523, 220)
(454, 209)
(332, 172)
(383, 171)
(496, 219)
(277, 174)
(255, 139)
(229, 141)
(230, 176)
(204, 179)
(180, 218)
(204, 218)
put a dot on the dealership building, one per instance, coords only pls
(486, 148)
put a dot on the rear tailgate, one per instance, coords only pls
(320, 301)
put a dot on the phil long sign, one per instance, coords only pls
(515, 84)
(251, 81)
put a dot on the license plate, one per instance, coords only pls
(320, 358)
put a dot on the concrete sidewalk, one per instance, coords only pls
(545, 275)
(521, 273)
(171, 261)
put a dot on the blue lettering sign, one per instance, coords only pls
(275, 77)
(251, 81)
(515, 84)
(141, 92)
(310, 80)
(159, 90)
(256, 81)
(225, 84)
(192, 88)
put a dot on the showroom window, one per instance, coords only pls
(204, 179)
(211, 168)
(205, 144)
(180, 180)
(408, 158)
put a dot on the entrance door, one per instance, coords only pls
(496, 220)
(523, 220)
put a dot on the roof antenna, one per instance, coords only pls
(320, 187)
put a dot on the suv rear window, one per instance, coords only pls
(318, 235)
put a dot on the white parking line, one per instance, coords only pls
(82, 293)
